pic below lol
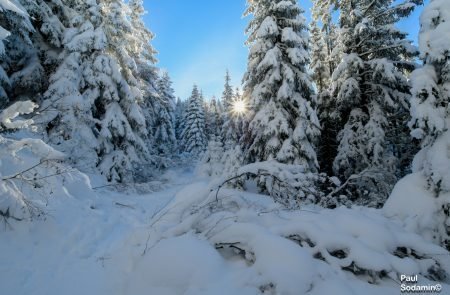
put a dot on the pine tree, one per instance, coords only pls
(319, 64)
(322, 13)
(430, 121)
(193, 137)
(15, 47)
(227, 95)
(96, 93)
(214, 120)
(430, 104)
(180, 108)
(232, 128)
(140, 46)
(50, 18)
(143, 54)
(370, 95)
(164, 137)
(325, 55)
(283, 124)
(212, 159)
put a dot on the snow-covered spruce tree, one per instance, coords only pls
(193, 137)
(15, 43)
(212, 159)
(180, 108)
(232, 128)
(319, 64)
(325, 55)
(140, 47)
(143, 54)
(229, 136)
(283, 124)
(208, 119)
(50, 18)
(164, 137)
(322, 14)
(214, 120)
(431, 83)
(98, 120)
(430, 122)
(370, 93)
(32, 56)
(227, 95)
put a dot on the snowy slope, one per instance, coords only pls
(182, 241)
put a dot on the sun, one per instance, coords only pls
(239, 107)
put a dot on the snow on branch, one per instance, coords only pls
(12, 112)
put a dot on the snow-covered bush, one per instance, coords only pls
(31, 172)
(232, 159)
(211, 163)
(22, 163)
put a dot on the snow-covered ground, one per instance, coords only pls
(181, 240)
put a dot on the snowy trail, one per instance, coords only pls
(69, 252)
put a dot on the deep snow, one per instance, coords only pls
(180, 240)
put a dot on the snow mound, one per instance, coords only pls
(281, 251)
(418, 209)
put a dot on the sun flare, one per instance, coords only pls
(239, 107)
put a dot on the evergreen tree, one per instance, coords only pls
(232, 128)
(95, 90)
(214, 120)
(319, 64)
(212, 159)
(325, 55)
(143, 54)
(283, 124)
(430, 122)
(165, 138)
(180, 108)
(370, 95)
(227, 95)
(16, 49)
(193, 137)
(50, 18)
(430, 104)
(322, 13)
(139, 46)
(227, 115)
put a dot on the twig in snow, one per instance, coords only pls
(124, 205)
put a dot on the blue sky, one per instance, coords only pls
(198, 40)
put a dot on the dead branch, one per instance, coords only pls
(124, 205)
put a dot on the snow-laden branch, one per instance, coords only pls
(8, 115)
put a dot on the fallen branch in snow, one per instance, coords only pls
(227, 181)
(124, 205)
(6, 215)
(19, 175)
(277, 181)
(376, 182)
(288, 184)
(109, 185)
(352, 177)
